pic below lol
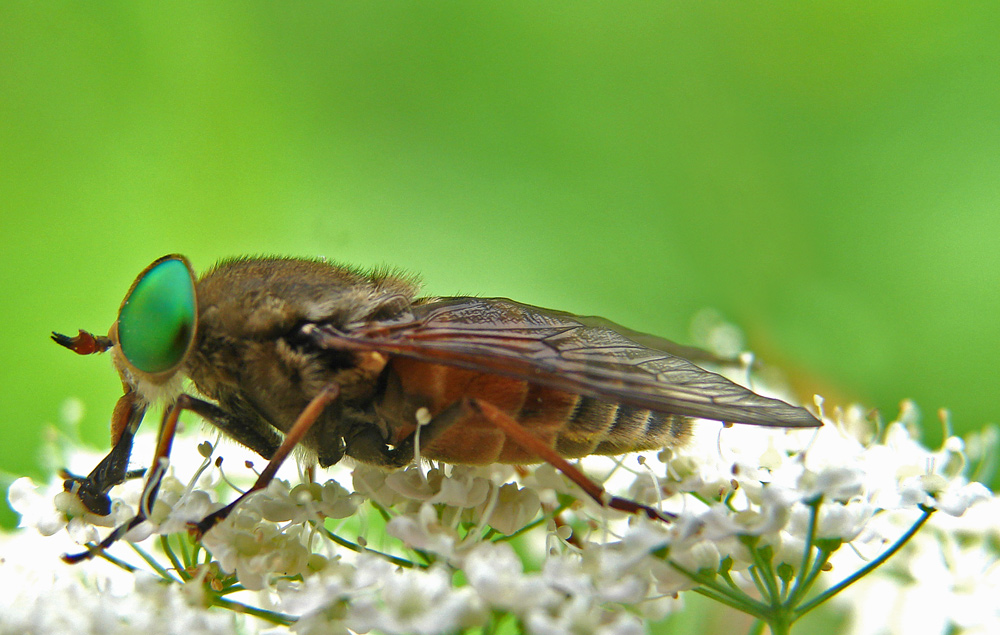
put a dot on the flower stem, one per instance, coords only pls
(802, 580)
(347, 544)
(763, 565)
(268, 616)
(862, 572)
(731, 597)
(118, 563)
(156, 566)
(178, 567)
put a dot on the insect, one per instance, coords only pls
(291, 352)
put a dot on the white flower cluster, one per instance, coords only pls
(761, 520)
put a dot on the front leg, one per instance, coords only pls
(249, 430)
(92, 490)
(168, 428)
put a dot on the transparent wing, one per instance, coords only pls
(582, 355)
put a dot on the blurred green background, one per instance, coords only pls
(825, 175)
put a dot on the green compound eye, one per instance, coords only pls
(157, 320)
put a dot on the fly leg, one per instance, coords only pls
(295, 434)
(523, 437)
(92, 490)
(168, 428)
(112, 465)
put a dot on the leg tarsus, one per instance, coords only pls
(92, 490)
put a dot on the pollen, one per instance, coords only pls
(423, 416)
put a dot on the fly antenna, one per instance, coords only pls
(83, 344)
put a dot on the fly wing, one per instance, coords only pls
(581, 355)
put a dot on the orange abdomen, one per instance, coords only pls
(572, 424)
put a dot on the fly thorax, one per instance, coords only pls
(359, 381)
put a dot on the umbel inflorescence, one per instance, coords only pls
(773, 523)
